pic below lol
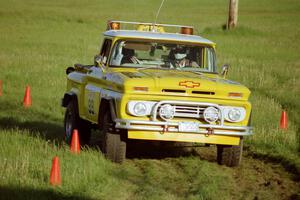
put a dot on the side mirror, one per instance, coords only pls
(98, 60)
(225, 69)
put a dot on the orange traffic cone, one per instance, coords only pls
(27, 97)
(0, 88)
(55, 178)
(75, 144)
(283, 120)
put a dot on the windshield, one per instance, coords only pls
(163, 55)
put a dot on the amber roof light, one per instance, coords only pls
(150, 27)
(187, 30)
(113, 25)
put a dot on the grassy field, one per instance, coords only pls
(39, 39)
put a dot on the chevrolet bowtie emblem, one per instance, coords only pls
(189, 84)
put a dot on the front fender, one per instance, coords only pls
(69, 96)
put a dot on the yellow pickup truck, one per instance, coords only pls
(153, 84)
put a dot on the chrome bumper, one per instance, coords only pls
(205, 129)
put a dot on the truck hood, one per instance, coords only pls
(178, 83)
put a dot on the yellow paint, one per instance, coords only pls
(184, 137)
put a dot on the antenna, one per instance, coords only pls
(162, 2)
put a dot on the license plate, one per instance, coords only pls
(188, 127)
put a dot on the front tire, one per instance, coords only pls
(113, 143)
(72, 121)
(230, 155)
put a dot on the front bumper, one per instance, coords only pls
(161, 126)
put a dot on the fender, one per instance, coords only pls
(104, 106)
(110, 97)
(106, 101)
(69, 96)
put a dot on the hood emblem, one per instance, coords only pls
(189, 84)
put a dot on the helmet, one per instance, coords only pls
(180, 53)
(179, 56)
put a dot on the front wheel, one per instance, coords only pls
(113, 143)
(230, 155)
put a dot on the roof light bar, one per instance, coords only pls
(115, 25)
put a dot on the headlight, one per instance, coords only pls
(211, 114)
(140, 108)
(166, 112)
(234, 114)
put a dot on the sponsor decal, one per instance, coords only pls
(91, 97)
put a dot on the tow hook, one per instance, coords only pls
(165, 128)
(210, 131)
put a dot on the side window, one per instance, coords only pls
(105, 50)
(198, 56)
(195, 55)
(209, 59)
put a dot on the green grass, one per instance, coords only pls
(26, 163)
(39, 39)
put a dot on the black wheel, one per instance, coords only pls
(230, 155)
(72, 121)
(113, 143)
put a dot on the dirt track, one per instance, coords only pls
(260, 179)
(256, 178)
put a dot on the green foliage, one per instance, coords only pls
(39, 39)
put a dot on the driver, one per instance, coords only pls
(179, 58)
(128, 56)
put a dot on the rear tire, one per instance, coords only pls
(113, 143)
(230, 155)
(72, 121)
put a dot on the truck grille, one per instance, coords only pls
(184, 109)
(188, 111)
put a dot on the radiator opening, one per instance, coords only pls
(174, 91)
(203, 92)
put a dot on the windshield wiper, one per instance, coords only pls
(185, 70)
(197, 72)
